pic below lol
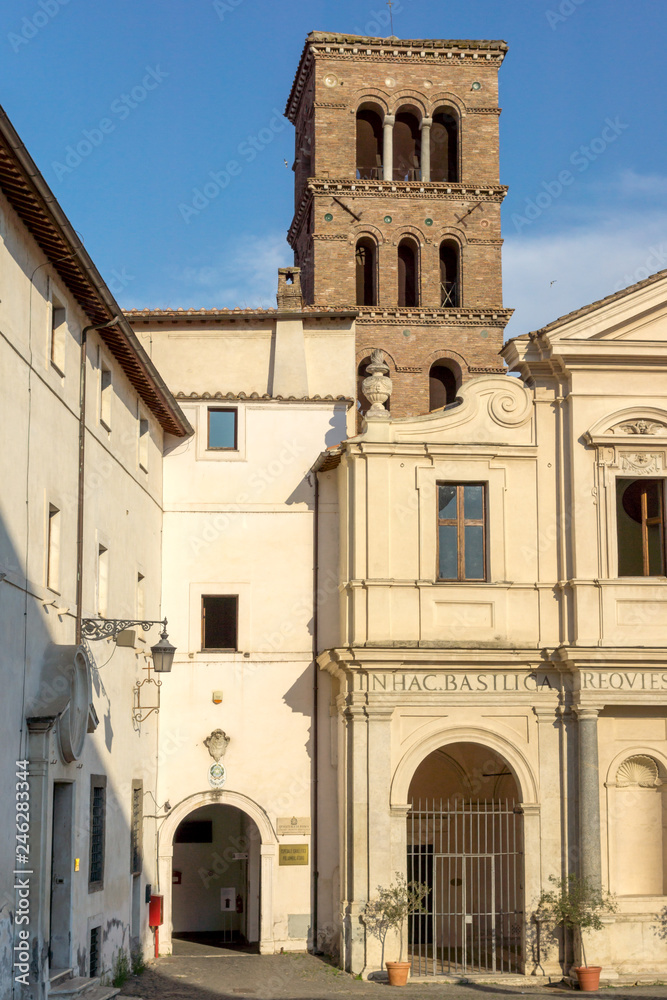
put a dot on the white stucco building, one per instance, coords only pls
(80, 537)
(431, 640)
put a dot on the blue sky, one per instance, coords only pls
(168, 91)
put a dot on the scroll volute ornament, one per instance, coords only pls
(377, 387)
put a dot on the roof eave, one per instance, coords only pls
(100, 306)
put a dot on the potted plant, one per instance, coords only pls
(388, 911)
(577, 903)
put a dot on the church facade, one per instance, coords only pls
(416, 579)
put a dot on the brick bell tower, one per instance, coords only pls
(397, 203)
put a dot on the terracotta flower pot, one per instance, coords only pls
(589, 978)
(398, 972)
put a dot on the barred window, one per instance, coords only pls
(98, 791)
(137, 817)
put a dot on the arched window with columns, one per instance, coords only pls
(408, 272)
(366, 271)
(444, 146)
(369, 142)
(450, 276)
(407, 146)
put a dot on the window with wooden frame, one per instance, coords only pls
(640, 524)
(219, 622)
(222, 429)
(97, 831)
(461, 531)
(136, 826)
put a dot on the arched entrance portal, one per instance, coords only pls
(261, 852)
(216, 877)
(465, 841)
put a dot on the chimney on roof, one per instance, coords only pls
(289, 288)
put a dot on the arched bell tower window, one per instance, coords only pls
(366, 271)
(369, 143)
(407, 147)
(445, 146)
(442, 385)
(408, 273)
(450, 290)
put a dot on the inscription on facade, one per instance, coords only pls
(623, 680)
(488, 682)
(473, 682)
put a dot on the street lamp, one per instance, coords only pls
(162, 653)
(108, 628)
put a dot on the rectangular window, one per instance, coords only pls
(219, 622)
(461, 531)
(141, 596)
(94, 951)
(58, 335)
(143, 444)
(102, 580)
(640, 523)
(98, 792)
(222, 429)
(53, 550)
(136, 827)
(106, 392)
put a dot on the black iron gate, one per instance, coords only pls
(470, 854)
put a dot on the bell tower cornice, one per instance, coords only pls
(427, 51)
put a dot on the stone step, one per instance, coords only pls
(75, 987)
(57, 976)
(100, 993)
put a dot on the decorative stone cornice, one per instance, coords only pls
(484, 111)
(402, 190)
(267, 397)
(397, 316)
(426, 51)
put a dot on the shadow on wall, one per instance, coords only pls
(66, 906)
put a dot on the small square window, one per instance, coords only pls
(461, 531)
(220, 622)
(222, 430)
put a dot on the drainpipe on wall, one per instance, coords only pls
(315, 763)
(82, 456)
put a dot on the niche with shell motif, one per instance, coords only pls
(638, 824)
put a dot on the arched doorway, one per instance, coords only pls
(216, 877)
(465, 841)
(256, 830)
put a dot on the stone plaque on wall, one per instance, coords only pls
(293, 854)
(299, 825)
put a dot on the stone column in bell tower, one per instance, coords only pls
(362, 106)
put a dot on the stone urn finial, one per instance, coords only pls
(377, 386)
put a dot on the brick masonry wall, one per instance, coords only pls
(324, 233)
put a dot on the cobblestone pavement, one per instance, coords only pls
(230, 975)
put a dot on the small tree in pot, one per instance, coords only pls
(579, 904)
(388, 911)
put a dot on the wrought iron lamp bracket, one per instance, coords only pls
(141, 712)
(108, 628)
